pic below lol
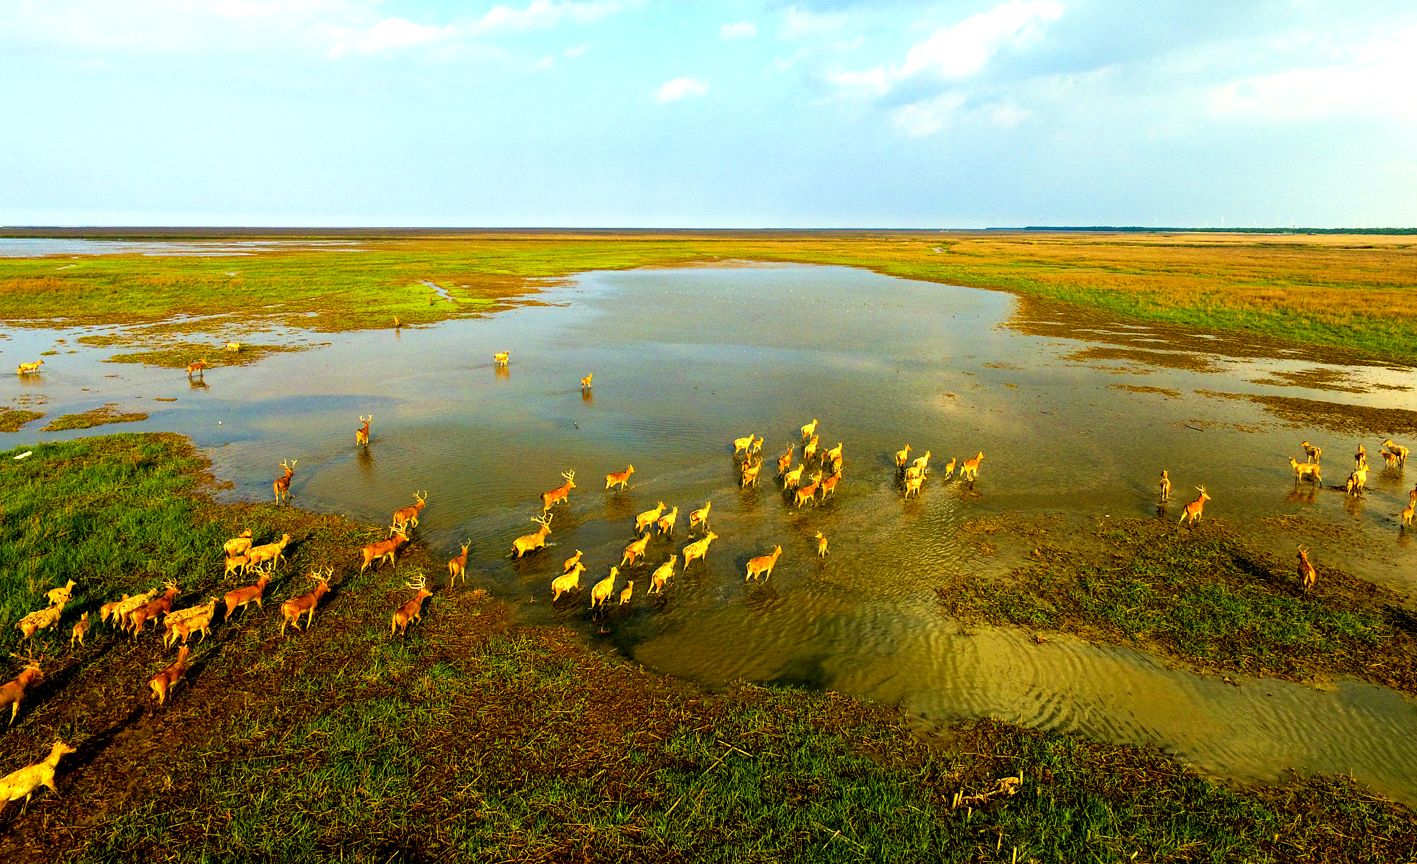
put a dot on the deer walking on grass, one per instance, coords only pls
(22, 783)
(1191, 513)
(12, 693)
(163, 682)
(412, 611)
(305, 604)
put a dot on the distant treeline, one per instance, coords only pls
(1138, 229)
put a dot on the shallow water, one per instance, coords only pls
(686, 360)
(41, 247)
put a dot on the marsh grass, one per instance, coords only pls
(474, 738)
(100, 416)
(15, 419)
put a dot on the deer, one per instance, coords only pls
(13, 692)
(1397, 450)
(1360, 457)
(784, 462)
(832, 454)
(181, 625)
(571, 562)
(501, 359)
(1165, 485)
(383, 550)
(901, 457)
(361, 435)
(601, 591)
(81, 627)
(561, 494)
(699, 518)
(809, 450)
(809, 429)
(234, 347)
(235, 563)
(197, 367)
(1192, 511)
(407, 517)
(792, 479)
(829, 484)
(282, 484)
(661, 575)
(762, 565)
(61, 596)
(809, 492)
(237, 545)
(756, 448)
(626, 594)
(751, 469)
(305, 604)
(585, 382)
(1407, 513)
(664, 525)
(163, 682)
(698, 549)
(1307, 575)
(1306, 470)
(619, 478)
(534, 541)
(912, 484)
(1390, 460)
(950, 467)
(42, 619)
(457, 566)
(1312, 453)
(152, 609)
(647, 519)
(267, 553)
(970, 470)
(741, 445)
(22, 783)
(922, 463)
(821, 545)
(634, 551)
(1357, 481)
(412, 610)
(119, 610)
(240, 598)
(29, 368)
(568, 581)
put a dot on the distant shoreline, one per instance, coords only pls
(172, 231)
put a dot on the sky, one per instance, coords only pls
(730, 114)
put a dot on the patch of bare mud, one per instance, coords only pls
(1335, 417)
(1141, 388)
(1148, 356)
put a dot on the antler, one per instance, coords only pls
(543, 520)
(170, 584)
(569, 475)
(30, 660)
(420, 584)
(363, 419)
(420, 496)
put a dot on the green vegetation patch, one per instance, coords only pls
(14, 419)
(100, 416)
(1204, 597)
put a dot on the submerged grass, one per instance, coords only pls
(100, 416)
(15, 419)
(478, 739)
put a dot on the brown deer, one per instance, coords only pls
(361, 435)
(699, 518)
(1306, 470)
(1165, 485)
(809, 450)
(665, 524)
(569, 581)
(601, 591)
(821, 545)
(1407, 514)
(950, 467)
(534, 541)
(571, 562)
(585, 382)
(1396, 450)
(268, 553)
(12, 693)
(237, 545)
(661, 575)
(970, 470)
(1192, 511)
(407, 517)
(561, 494)
(22, 783)
(197, 367)
(809, 492)
(1307, 576)
(281, 486)
(181, 625)
(240, 598)
(81, 627)
(751, 469)
(163, 682)
(901, 457)
(305, 604)
(634, 551)
(809, 429)
(829, 484)
(763, 564)
(698, 549)
(646, 520)
(29, 368)
(627, 593)
(1312, 453)
(236, 563)
(383, 550)
(412, 610)
(784, 462)
(152, 609)
(619, 478)
(458, 566)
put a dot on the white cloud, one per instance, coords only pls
(389, 34)
(928, 116)
(679, 88)
(544, 14)
(738, 30)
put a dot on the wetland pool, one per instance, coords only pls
(687, 359)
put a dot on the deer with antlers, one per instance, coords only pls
(619, 478)
(634, 551)
(237, 545)
(22, 783)
(181, 625)
(561, 494)
(762, 565)
(305, 604)
(646, 520)
(361, 435)
(1191, 513)
(1307, 574)
(240, 598)
(13, 692)
(407, 517)
(568, 581)
(267, 553)
(412, 610)
(698, 549)
(152, 609)
(281, 486)
(808, 492)
(29, 368)
(534, 541)
(457, 566)
(163, 682)
(383, 550)
(661, 575)
(699, 518)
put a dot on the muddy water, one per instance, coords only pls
(686, 360)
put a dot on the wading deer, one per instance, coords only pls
(1192, 512)
(81, 627)
(361, 435)
(970, 470)
(61, 596)
(950, 467)
(305, 604)
(181, 625)
(644, 521)
(901, 457)
(585, 382)
(665, 524)
(1306, 470)
(619, 478)
(1307, 576)
(784, 462)
(1357, 481)
(237, 545)
(1312, 453)
(1165, 485)
(412, 610)
(22, 783)
(163, 682)
(699, 518)
(751, 469)
(809, 429)
(281, 486)
(829, 484)
(756, 447)
(912, 484)
(268, 553)
(1390, 460)
(627, 593)
(821, 545)
(240, 598)
(1360, 457)
(1407, 513)
(634, 551)
(601, 591)
(233, 346)
(763, 564)
(501, 358)
(569, 581)
(741, 445)
(1397, 450)
(407, 517)
(809, 450)
(457, 566)
(661, 575)
(571, 562)
(808, 492)
(196, 368)
(383, 550)
(831, 455)
(922, 463)
(561, 494)
(29, 368)
(698, 549)
(531, 542)
(12, 693)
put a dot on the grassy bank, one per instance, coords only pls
(476, 738)
(1342, 296)
(1201, 596)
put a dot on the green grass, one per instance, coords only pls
(14, 419)
(100, 416)
(475, 738)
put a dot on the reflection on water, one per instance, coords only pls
(687, 360)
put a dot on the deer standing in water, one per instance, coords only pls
(601, 591)
(406, 518)
(809, 429)
(1312, 453)
(561, 494)
(1165, 485)
(664, 525)
(619, 478)
(282, 484)
(784, 462)
(1396, 450)
(742, 445)
(196, 368)
(751, 469)
(1307, 576)
(585, 382)
(763, 564)
(361, 435)
(163, 682)
(970, 470)
(698, 549)
(1192, 511)
(569, 581)
(383, 550)
(661, 575)
(501, 359)
(792, 479)
(809, 492)
(1306, 470)
(412, 610)
(29, 368)
(699, 518)
(635, 551)
(457, 566)
(305, 604)
(901, 457)
(532, 542)
(646, 520)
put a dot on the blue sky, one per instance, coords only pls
(743, 113)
